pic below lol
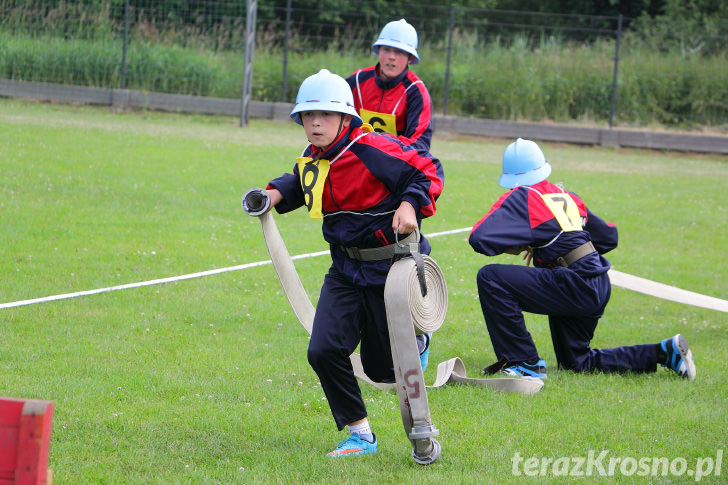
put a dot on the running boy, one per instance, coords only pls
(569, 280)
(366, 187)
(390, 97)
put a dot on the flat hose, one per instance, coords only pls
(256, 203)
(414, 281)
(410, 310)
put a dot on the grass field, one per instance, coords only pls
(206, 380)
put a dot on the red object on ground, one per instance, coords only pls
(25, 435)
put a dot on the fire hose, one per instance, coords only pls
(416, 301)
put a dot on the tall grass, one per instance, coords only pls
(556, 81)
(694, 89)
(150, 67)
(520, 78)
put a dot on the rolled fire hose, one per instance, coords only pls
(408, 311)
(415, 296)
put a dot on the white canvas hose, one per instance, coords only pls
(666, 292)
(403, 292)
(255, 203)
(408, 311)
(428, 311)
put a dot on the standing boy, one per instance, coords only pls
(390, 97)
(569, 280)
(365, 187)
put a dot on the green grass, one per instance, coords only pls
(206, 380)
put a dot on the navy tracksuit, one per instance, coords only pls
(543, 217)
(369, 176)
(405, 97)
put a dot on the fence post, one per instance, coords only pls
(451, 26)
(250, 18)
(614, 76)
(285, 51)
(126, 39)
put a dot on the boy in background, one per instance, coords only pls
(390, 97)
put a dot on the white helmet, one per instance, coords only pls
(325, 91)
(400, 35)
(523, 164)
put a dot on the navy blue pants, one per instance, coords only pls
(347, 315)
(573, 305)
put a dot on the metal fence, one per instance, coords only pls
(518, 66)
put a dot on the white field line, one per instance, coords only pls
(619, 279)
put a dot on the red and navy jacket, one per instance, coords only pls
(406, 97)
(521, 217)
(366, 184)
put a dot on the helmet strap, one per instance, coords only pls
(341, 125)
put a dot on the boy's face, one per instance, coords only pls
(392, 62)
(322, 127)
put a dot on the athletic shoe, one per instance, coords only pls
(524, 369)
(423, 346)
(354, 445)
(679, 356)
(495, 368)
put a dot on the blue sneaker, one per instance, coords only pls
(423, 346)
(524, 369)
(679, 356)
(354, 445)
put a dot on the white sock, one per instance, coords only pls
(363, 430)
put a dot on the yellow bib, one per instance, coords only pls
(381, 122)
(313, 175)
(564, 209)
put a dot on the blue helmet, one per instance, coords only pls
(325, 91)
(523, 164)
(400, 35)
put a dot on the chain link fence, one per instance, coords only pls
(479, 63)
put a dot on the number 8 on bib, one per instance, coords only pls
(313, 176)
